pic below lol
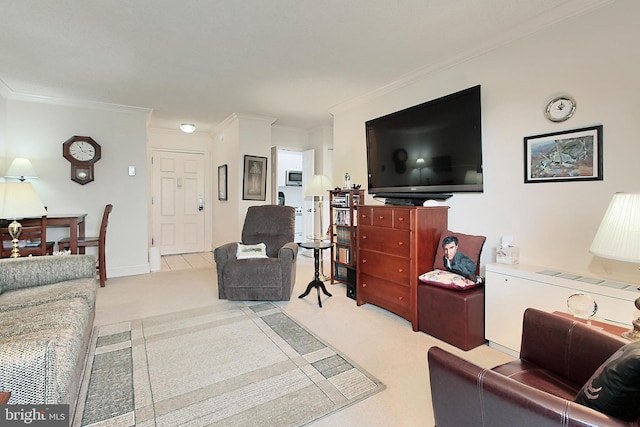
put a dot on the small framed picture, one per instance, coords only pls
(222, 182)
(254, 178)
(573, 155)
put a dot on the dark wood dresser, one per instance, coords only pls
(395, 245)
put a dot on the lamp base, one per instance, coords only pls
(15, 228)
(633, 334)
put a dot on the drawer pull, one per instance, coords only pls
(364, 261)
(400, 243)
(364, 215)
(400, 298)
(401, 219)
(381, 217)
(364, 237)
(364, 285)
(400, 270)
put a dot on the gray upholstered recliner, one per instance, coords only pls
(267, 279)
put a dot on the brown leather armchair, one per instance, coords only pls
(557, 357)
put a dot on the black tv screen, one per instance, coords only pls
(428, 150)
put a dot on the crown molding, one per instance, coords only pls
(544, 20)
(239, 116)
(10, 94)
(5, 91)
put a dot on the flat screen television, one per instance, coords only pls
(427, 151)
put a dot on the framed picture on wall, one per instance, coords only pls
(222, 182)
(254, 178)
(572, 155)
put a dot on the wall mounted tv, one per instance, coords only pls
(427, 151)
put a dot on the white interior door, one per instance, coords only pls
(178, 202)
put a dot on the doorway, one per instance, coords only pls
(178, 202)
(292, 193)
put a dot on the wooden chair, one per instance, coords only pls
(34, 234)
(99, 242)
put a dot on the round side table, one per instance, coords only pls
(317, 247)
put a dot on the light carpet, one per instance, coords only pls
(240, 364)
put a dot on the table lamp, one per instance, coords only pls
(318, 188)
(618, 238)
(19, 200)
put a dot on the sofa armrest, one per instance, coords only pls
(222, 254)
(44, 270)
(564, 346)
(464, 394)
(288, 252)
(27, 370)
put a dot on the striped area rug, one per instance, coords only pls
(242, 364)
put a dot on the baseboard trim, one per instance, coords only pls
(132, 270)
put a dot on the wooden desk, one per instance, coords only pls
(75, 223)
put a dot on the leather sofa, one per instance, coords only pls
(558, 356)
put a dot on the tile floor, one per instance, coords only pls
(185, 261)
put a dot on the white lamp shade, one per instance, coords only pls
(619, 234)
(318, 186)
(21, 169)
(19, 200)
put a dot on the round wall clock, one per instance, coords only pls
(560, 109)
(82, 152)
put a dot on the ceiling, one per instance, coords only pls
(292, 60)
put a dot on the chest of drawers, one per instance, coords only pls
(395, 245)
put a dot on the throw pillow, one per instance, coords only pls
(614, 389)
(447, 279)
(251, 251)
(459, 253)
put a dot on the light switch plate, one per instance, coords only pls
(132, 171)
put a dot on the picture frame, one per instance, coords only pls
(571, 155)
(254, 178)
(222, 182)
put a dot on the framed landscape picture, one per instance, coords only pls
(254, 178)
(573, 155)
(222, 182)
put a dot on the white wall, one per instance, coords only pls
(225, 212)
(37, 130)
(4, 162)
(591, 57)
(289, 138)
(321, 140)
(237, 136)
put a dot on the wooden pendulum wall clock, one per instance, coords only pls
(82, 152)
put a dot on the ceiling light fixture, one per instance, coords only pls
(187, 127)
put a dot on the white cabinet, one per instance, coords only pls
(510, 290)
